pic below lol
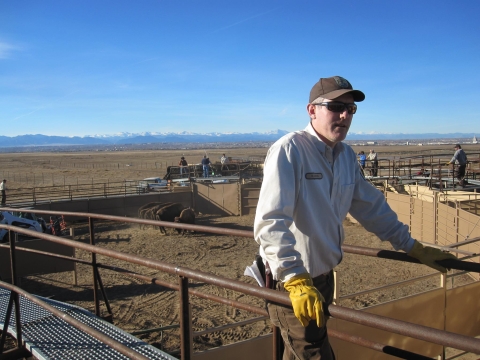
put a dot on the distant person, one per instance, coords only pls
(373, 158)
(224, 162)
(205, 165)
(460, 159)
(423, 172)
(362, 159)
(3, 188)
(183, 166)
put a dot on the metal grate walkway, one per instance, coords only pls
(49, 337)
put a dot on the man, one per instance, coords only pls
(224, 161)
(311, 181)
(3, 188)
(183, 166)
(205, 165)
(373, 162)
(459, 158)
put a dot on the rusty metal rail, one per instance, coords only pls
(384, 254)
(396, 326)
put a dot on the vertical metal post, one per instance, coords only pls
(457, 218)
(185, 320)
(277, 344)
(443, 284)
(94, 267)
(14, 295)
(240, 198)
(453, 175)
(75, 280)
(435, 217)
(440, 175)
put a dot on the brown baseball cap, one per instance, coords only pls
(334, 87)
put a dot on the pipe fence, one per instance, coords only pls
(185, 274)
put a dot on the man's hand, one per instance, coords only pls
(306, 299)
(448, 163)
(429, 255)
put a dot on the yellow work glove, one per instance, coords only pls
(306, 299)
(447, 164)
(429, 255)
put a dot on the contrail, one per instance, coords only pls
(44, 106)
(244, 20)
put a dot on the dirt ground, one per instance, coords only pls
(137, 305)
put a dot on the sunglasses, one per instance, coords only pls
(339, 107)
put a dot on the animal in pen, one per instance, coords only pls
(147, 206)
(187, 216)
(148, 212)
(168, 213)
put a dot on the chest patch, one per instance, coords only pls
(313, 176)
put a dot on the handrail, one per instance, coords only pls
(385, 254)
(380, 322)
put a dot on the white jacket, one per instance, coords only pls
(304, 200)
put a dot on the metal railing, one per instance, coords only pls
(46, 194)
(420, 332)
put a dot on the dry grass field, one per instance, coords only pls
(137, 305)
(71, 168)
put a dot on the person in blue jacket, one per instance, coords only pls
(205, 165)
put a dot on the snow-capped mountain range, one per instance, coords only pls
(189, 137)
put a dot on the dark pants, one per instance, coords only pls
(309, 342)
(460, 173)
(4, 197)
(374, 168)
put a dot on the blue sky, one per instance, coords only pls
(102, 67)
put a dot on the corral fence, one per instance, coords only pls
(42, 194)
(50, 172)
(240, 169)
(406, 340)
(434, 165)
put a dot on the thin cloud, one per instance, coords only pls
(7, 49)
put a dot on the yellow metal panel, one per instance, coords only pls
(463, 310)
(424, 309)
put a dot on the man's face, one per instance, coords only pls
(332, 127)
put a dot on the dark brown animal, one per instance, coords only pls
(187, 216)
(146, 206)
(149, 213)
(169, 213)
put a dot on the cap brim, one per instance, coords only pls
(357, 94)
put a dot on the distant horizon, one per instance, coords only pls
(170, 139)
(188, 133)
